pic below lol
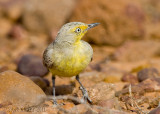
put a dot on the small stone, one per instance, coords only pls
(148, 85)
(129, 78)
(17, 32)
(19, 90)
(31, 65)
(101, 91)
(135, 90)
(155, 111)
(147, 73)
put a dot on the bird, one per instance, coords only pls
(68, 55)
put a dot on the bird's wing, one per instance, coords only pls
(47, 56)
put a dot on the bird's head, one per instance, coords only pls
(74, 31)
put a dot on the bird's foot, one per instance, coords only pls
(54, 101)
(55, 104)
(85, 95)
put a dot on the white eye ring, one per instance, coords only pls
(78, 30)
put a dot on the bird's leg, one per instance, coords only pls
(84, 91)
(54, 94)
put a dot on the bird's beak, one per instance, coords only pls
(92, 25)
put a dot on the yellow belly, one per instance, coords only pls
(71, 65)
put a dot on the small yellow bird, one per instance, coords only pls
(68, 55)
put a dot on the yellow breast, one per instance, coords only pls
(72, 61)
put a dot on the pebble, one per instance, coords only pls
(148, 85)
(99, 92)
(31, 65)
(129, 78)
(147, 73)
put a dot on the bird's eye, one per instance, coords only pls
(78, 30)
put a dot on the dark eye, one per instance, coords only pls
(78, 30)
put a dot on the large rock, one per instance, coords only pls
(137, 50)
(120, 20)
(19, 90)
(43, 16)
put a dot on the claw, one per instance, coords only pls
(84, 91)
(54, 101)
(85, 95)
(55, 104)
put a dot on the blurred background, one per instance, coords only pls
(129, 30)
(126, 41)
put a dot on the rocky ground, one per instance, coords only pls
(124, 76)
